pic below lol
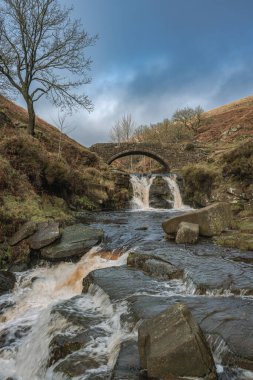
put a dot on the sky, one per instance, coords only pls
(155, 56)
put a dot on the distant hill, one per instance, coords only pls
(231, 123)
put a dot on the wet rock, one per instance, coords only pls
(162, 269)
(172, 344)
(144, 228)
(7, 281)
(243, 257)
(216, 276)
(24, 232)
(46, 234)
(154, 266)
(160, 195)
(230, 318)
(75, 241)
(20, 257)
(128, 362)
(19, 267)
(128, 281)
(9, 337)
(188, 233)
(74, 314)
(77, 364)
(236, 239)
(212, 220)
(63, 345)
(5, 304)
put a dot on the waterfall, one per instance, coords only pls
(174, 188)
(141, 186)
(141, 190)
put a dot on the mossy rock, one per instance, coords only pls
(246, 242)
(228, 239)
(246, 226)
(235, 239)
(84, 203)
(237, 207)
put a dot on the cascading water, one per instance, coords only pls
(47, 304)
(141, 186)
(141, 189)
(174, 188)
(31, 322)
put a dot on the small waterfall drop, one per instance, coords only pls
(141, 190)
(174, 188)
(141, 186)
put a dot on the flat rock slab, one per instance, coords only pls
(212, 220)
(46, 234)
(24, 232)
(7, 281)
(230, 318)
(75, 241)
(212, 273)
(120, 282)
(154, 266)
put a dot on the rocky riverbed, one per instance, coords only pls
(80, 320)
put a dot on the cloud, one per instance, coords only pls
(152, 90)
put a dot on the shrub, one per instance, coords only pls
(57, 177)
(26, 155)
(239, 163)
(7, 175)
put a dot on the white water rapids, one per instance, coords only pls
(35, 296)
(38, 310)
(141, 191)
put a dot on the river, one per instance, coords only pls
(47, 307)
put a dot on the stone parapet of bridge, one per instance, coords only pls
(171, 156)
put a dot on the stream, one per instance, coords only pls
(48, 310)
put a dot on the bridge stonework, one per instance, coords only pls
(171, 156)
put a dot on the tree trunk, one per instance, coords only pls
(31, 117)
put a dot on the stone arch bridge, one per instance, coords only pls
(171, 156)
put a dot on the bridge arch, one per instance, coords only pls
(135, 152)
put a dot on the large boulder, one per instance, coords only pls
(7, 281)
(212, 220)
(75, 241)
(172, 345)
(188, 233)
(46, 234)
(24, 232)
(222, 319)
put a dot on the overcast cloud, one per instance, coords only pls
(154, 56)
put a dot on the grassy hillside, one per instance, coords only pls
(35, 183)
(229, 124)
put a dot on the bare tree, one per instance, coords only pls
(42, 53)
(62, 124)
(190, 118)
(123, 129)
